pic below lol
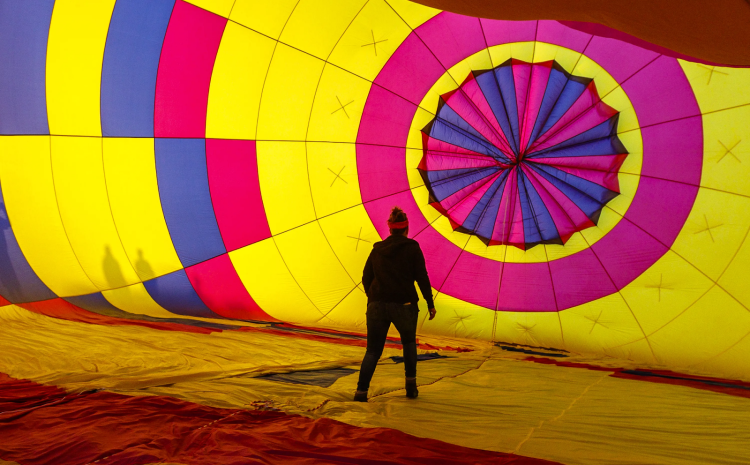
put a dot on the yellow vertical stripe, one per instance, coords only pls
(219, 7)
(130, 173)
(268, 18)
(77, 35)
(237, 82)
(81, 190)
(29, 193)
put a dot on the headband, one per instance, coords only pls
(399, 225)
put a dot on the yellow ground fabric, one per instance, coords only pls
(489, 398)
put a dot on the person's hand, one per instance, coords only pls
(433, 312)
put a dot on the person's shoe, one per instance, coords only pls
(360, 396)
(411, 388)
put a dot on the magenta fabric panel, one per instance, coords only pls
(474, 279)
(661, 208)
(607, 179)
(623, 261)
(563, 223)
(477, 98)
(554, 32)
(509, 222)
(467, 110)
(521, 81)
(580, 279)
(568, 206)
(468, 159)
(410, 72)
(386, 119)
(438, 255)
(462, 210)
(664, 93)
(380, 209)
(537, 87)
(221, 289)
(384, 168)
(235, 192)
(621, 59)
(683, 137)
(187, 60)
(526, 287)
(498, 32)
(465, 32)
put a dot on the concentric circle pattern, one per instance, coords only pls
(523, 154)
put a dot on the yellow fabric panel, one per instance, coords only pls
(456, 318)
(606, 325)
(337, 110)
(566, 57)
(267, 278)
(333, 177)
(714, 231)
(541, 329)
(75, 50)
(717, 88)
(237, 82)
(316, 26)
(665, 290)
(461, 70)
(288, 95)
(351, 235)
(726, 145)
(370, 40)
(735, 278)
(220, 7)
(519, 50)
(732, 363)
(78, 171)
(412, 13)
(29, 193)
(136, 299)
(268, 18)
(284, 185)
(130, 173)
(349, 314)
(315, 267)
(709, 327)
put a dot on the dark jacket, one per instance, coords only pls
(391, 269)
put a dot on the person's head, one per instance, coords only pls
(398, 223)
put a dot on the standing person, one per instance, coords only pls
(391, 269)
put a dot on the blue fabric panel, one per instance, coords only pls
(531, 233)
(186, 199)
(24, 28)
(591, 189)
(483, 209)
(555, 85)
(506, 83)
(491, 91)
(599, 140)
(486, 225)
(131, 61)
(448, 187)
(570, 93)
(542, 218)
(175, 293)
(586, 203)
(18, 282)
(446, 132)
(95, 303)
(465, 132)
(322, 378)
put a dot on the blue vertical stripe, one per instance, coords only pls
(131, 61)
(542, 218)
(24, 28)
(175, 293)
(186, 199)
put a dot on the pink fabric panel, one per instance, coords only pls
(553, 32)
(462, 209)
(579, 279)
(384, 168)
(410, 72)
(607, 179)
(526, 287)
(509, 222)
(684, 137)
(468, 110)
(662, 99)
(626, 252)
(621, 59)
(464, 36)
(221, 289)
(537, 87)
(235, 192)
(473, 92)
(521, 79)
(592, 162)
(386, 119)
(438, 160)
(453, 200)
(187, 60)
(563, 223)
(474, 279)
(439, 254)
(498, 32)
(571, 209)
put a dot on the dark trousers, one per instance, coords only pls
(380, 315)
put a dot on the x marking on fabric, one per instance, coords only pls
(342, 106)
(338, 175)
(660, 286)
(358, 239)
(709, 228)
(728, 151)
(596, 322)
(374, 43)
(711, 71)
(526, 329)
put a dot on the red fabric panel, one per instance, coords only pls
(235, 192)
(59, 308)
(187, 60)
(221, 289)
(3, 301)
(114, 429)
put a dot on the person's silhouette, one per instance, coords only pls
(143, 267)
(112, 271)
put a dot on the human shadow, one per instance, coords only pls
(112, 270)
(143, 267)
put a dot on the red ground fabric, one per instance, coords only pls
(45, 425)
